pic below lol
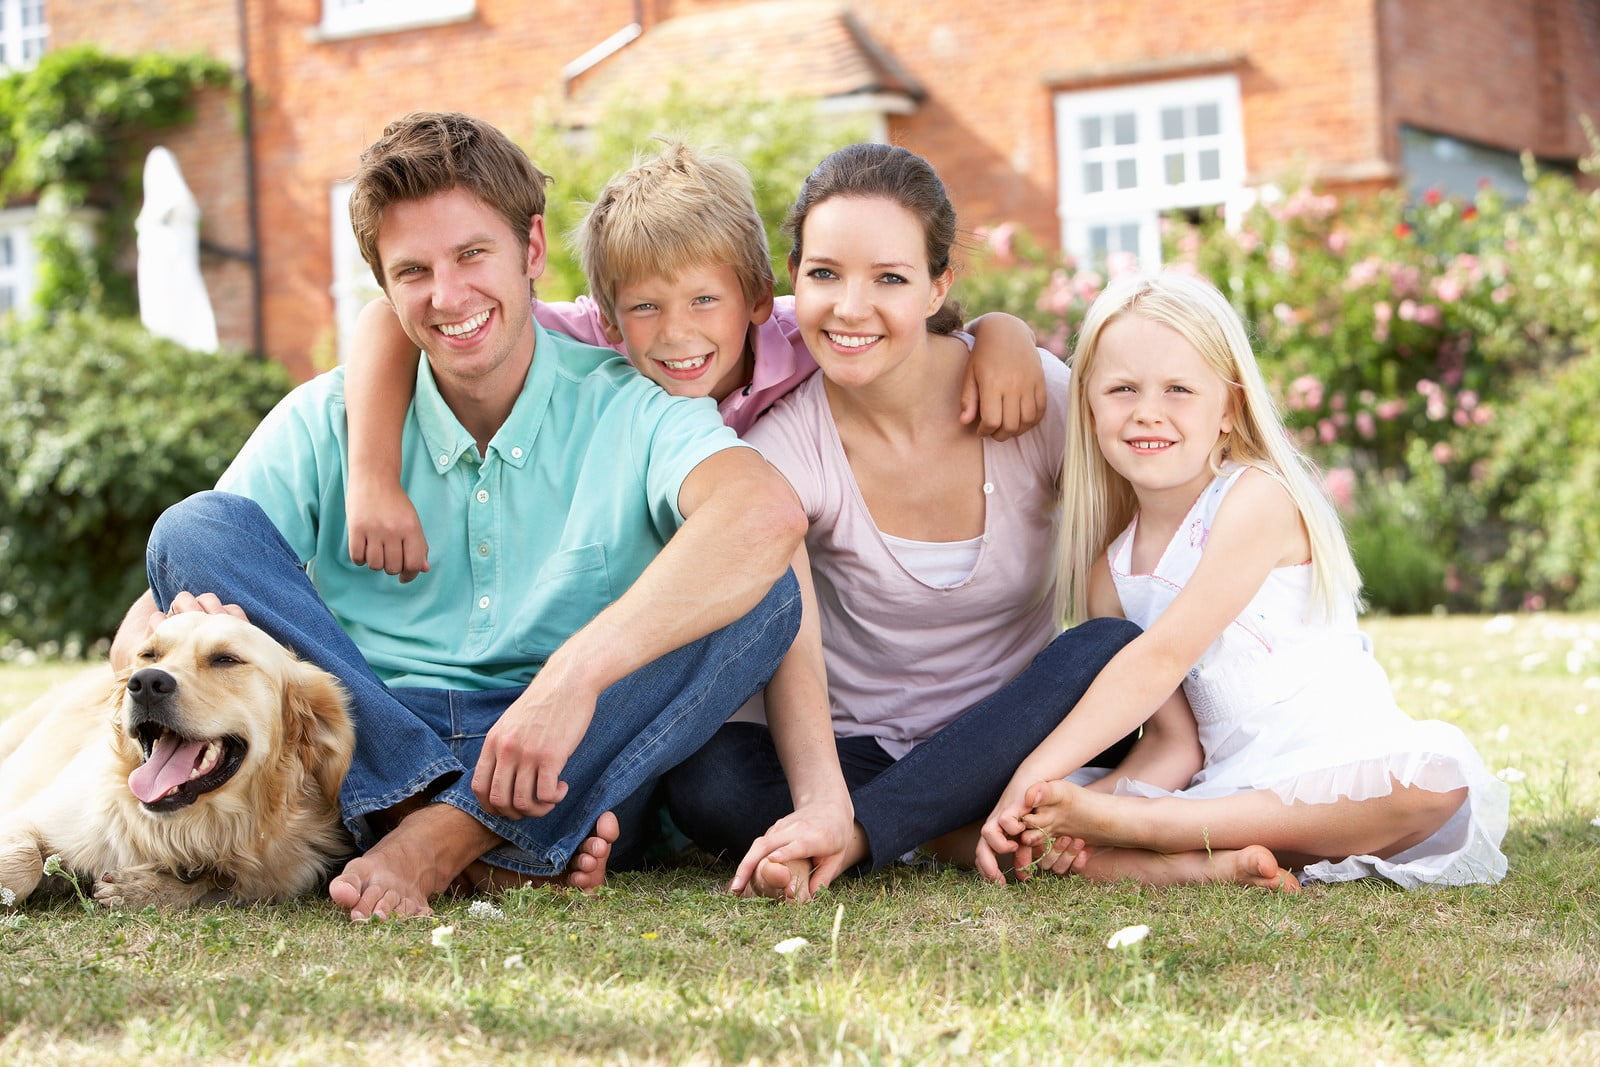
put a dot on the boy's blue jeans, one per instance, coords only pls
(729, 792)
(412, 742)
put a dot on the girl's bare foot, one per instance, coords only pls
(1254, 865)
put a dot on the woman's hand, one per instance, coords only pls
(799, 855)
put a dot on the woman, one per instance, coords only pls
(930, 549)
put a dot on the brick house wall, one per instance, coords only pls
(1324, 86)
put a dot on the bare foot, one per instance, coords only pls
(411, 864)
(1253, 865)
(780, 880)
(586, 871)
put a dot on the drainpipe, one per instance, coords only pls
(606, 48)
(252, 208)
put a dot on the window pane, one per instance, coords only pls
(1208, 120)
(1171, 123)
(7, 256)
(8, 298)
(1210, 164)
(1124, 128)
(1128, 237)
(1093, 178)
(1173, 166)
(1089, 131)
(1099, 243)
(1127, 174)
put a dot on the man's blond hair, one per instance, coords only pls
(678, 210)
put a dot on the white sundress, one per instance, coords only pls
(1289, 701)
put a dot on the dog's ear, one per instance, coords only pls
(317, 725)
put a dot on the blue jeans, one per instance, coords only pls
(422, 742)
(728, 793)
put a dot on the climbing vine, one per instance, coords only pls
(71, 139)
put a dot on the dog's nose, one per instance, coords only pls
(151, 685)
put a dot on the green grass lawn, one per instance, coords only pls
(911, 965)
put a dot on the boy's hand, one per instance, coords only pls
(385, 531)
(1004, 388)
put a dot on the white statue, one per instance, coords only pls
(172, 294)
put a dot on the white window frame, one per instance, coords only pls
(353, 284)
(1134, 188)
(17, 268)
(351, 18)
(24, 34)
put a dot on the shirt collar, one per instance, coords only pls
(448, 440)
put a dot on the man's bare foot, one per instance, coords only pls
(411, 864)
(780, 880)
(586, 871)
(1254, 865)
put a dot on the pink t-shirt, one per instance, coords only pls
(782, 360)
(904, 657)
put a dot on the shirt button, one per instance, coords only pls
(988, 487)
(483, 496)
(444, 459)
(483, 602)
(516, 453)
(483, 548)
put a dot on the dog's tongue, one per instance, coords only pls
(170, 764)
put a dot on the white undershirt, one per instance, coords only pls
(940, 564)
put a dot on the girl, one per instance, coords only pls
(929, 549)
(1233, 561)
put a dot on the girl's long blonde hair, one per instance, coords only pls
(1098, 503)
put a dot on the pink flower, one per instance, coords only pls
(999, 241)
(1327, 432)
(1391, 409)
(1247, 240)
(1338, 241)
(1501, 294)
(1482, 416)
(1365, 426)
(1429, 314)
(1341, 485)
(1443, 453)
(1305, 393)
(1447, 289)
(1408, 310)
(1121, 264)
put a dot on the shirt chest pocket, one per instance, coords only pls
(570, 589)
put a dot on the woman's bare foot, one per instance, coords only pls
(788, 880)
(1254, 865)
(411, 864)
(586, 871)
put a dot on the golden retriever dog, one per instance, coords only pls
(209, 770)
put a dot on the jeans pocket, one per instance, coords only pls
(570, 589)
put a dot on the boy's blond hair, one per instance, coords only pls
(676, 211)
(1098, 503)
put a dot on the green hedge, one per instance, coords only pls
(102, 426)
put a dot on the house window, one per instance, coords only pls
(353, 283)
(1127, 154)
(1456, 168)
(344, 18)
(16, 260)
(23, 33)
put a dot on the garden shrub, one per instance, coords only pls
(102, 426)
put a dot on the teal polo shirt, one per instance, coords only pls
(577, 494)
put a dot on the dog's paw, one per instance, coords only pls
(137, 888)
(21, 868)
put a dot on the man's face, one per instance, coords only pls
(459, 281)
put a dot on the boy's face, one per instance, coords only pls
(688, 334)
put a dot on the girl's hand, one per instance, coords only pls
(385, 531)
(1002, 835)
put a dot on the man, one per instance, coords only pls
(608, 577)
